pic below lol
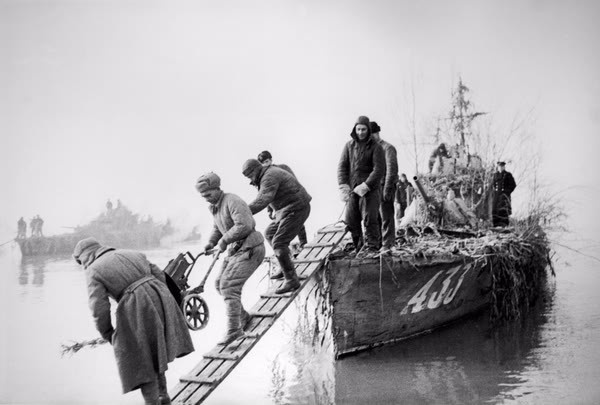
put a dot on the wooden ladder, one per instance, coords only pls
(201, 381)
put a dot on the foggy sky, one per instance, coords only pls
(134, 100)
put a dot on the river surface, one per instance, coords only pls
(551, 356)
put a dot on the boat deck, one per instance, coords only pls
(215, 365)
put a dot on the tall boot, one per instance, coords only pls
(234, 329)
(289, 272)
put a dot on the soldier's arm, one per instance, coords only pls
(100, 307)
(378, 168)
(243, 223)
(344, 167)
(215, 235)
(391, 174)
(268, 189)
(511, 183)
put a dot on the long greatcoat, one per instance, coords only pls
(150, 329)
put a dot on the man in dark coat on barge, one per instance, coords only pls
(388, 190)
(150, 329)
(266, 159)
(233, 230)
(360, 171)
(291, 204)
(502, 187)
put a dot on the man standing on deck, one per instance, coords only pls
(388, 190)
(233, 230)
(291, 203)
(266, 160)
(403, 194)
(360, 170)
(150, 329)
(502, 187)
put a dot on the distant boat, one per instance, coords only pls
(118, 227)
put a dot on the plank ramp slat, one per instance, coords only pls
(200, 382)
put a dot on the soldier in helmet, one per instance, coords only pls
(234, 231)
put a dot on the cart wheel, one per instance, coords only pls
(195, 311)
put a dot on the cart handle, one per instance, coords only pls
(194, 259)
(209, 269)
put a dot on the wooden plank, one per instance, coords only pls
(220, 356)
(219, 362)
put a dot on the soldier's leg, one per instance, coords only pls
(353, 220)
(289, 226)
(388, 224)
(163, 393)
(369, 205)
(241, 266)
(150, 393)
(270, 231)
(302, 238)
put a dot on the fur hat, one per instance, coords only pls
(250, 166)
(83, 245)
(364, 120)
(374, 127)
(264, 155)
(208, 181)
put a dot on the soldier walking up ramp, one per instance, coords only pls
(200, 382)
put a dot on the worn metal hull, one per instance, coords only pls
(382, 300)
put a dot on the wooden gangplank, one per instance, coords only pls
(200, 382)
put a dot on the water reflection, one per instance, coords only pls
(469, 362)
(34, 265)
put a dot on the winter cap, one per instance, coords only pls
(264, 155)
(250, 166)
(364, 120)
(374, 127)
(208, 181)
(83, 245)
(501, 163)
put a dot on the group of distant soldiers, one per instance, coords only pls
(369, 185)
(36, 224)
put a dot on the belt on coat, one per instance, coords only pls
(131, 288)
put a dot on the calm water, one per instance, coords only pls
(550, 356)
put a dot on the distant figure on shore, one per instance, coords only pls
(502, 187)
(360, 170)
(266, 160)
(436, 156)
(388, 190)
(109, 206)
(33, 226)
(36, 225)
(234, 231)
(403, 196)
(21, 229)
(40, 225)
(150, 328)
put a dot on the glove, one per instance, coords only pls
(361, 189)
(388, 194)
(208, 247)
(344, 192)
